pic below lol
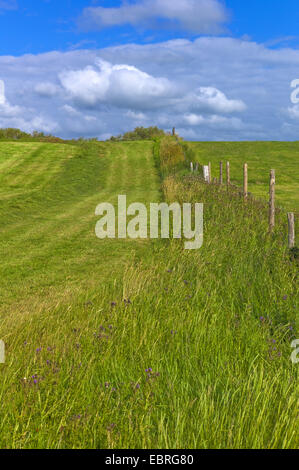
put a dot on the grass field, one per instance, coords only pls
(261, 158)
(139, 344)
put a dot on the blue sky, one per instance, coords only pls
(217, 69)
(36, 26)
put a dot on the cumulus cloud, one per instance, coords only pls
(119, 85)
(198, 16)
(126, 86)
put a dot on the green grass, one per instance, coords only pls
(48, 220)
(218, 379)
(261, 158)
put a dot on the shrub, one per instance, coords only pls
(13, 134)
(171, 154)
(140, 133)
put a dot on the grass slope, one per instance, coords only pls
(48, 198)
(261, 158)
(130, 344)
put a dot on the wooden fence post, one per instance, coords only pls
(221, 173)
(191, 167)
(210, 172)
(196, 167)
(272, 201)
(206, 173)
(2, 352)
(227, 174)
(245, 182)
(291, 220)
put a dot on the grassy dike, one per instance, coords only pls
(139, 344)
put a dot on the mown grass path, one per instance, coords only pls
(48, 198)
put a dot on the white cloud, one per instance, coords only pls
(125, 86)
(13, 116)
(199, 16)
(193, 119)
(46, 89)
(119, 85)
(70, 110)
(6, 110)
(214, 121)
(212, 99)
(136, 116)
(88, 87)
(40, 123)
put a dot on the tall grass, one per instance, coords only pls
(171, 154)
